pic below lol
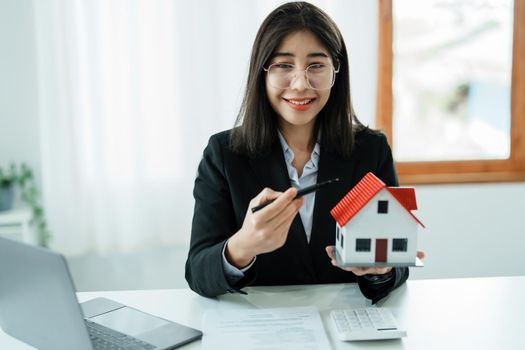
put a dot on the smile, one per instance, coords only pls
(299, 104)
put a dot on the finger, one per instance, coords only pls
(383, 270)
(331, 254)
(380, 270)
(287, 217)
(358, 271)
(274, 234)
(347, 269)
(421, 254)
(288, 213)
(330, 251)
(266, 195)
(284, 227)
(273, 209)
(375, 270)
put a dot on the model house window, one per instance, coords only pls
(363, 244)
(337, 232)
(342, 240)
(382, 207)
(399, 245)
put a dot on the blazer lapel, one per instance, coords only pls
(270, 169)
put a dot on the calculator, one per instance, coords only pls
(369, 323)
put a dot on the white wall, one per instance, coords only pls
(473, 230)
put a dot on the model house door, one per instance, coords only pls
(381, 246)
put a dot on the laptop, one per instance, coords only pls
(38, 305)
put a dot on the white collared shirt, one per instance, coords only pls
(308, 178)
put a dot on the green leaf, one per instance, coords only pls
(23, 177)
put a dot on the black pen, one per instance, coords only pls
(301, 192)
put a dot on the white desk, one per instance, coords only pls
(472, 313)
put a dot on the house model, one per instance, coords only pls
(375, 225)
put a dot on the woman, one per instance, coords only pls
(296, 127)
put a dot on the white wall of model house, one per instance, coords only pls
(397, 223)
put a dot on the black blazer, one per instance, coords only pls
(225, 184)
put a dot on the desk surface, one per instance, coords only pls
(470, 313)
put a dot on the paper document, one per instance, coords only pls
(283, 328)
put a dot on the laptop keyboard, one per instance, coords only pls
(103, 338)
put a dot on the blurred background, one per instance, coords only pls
(109, 104)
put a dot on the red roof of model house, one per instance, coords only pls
(364, 191)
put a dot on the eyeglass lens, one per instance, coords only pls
(318, 76)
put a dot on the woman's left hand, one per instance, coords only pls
(360, 271)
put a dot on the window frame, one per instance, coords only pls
(433, 172)
(395, 248)
(382, 206)
(369, 245)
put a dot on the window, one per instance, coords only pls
(382, 207)
(342, 240)
(363, 244)
(337, 232)
(399, 245)
(451, 77)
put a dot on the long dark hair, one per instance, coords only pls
(256, 123)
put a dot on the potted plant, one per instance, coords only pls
(21, 178)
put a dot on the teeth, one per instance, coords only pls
(299, 102)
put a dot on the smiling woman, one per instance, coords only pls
(296, 127)
(291, 89)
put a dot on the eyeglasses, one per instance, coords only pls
(318, 76)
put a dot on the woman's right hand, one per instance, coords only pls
(265, 230)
